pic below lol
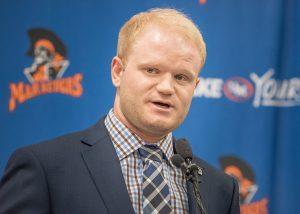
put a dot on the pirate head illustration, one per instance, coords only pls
(49, 56)
(243, 173)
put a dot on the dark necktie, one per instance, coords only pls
(156, 195)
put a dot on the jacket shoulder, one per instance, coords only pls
(71, 141)
(66, 148)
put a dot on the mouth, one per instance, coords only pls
(162, 105)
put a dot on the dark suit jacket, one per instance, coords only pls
(81, 173)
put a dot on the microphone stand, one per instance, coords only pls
(193, 173)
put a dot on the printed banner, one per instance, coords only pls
(245, 115)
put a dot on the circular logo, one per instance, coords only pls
(238, 89)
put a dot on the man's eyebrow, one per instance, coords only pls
(144, 64)
(189, 71)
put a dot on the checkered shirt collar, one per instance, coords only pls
(126, 142)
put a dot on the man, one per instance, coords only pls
(123, 163)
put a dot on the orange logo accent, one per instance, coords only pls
(46, 71)
(21, 92)
(202, 1)
(258, 207)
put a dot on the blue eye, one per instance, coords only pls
(151, 70)
(181, 77)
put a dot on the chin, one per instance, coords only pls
(161, 127)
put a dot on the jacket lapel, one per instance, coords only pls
(104, 167)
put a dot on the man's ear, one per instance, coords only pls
(116, 68)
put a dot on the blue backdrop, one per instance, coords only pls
(245, 115)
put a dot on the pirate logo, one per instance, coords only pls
(46, 71)
(245, 176)
(49, 56)
(243, 173)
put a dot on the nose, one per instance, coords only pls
(165, 85)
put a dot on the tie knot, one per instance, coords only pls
(151, 152)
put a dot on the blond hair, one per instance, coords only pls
(166, 17)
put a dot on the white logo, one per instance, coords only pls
(272, 92)
(268, 91)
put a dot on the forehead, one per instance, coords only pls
(164, 43)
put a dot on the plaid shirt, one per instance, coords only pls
(126, 144)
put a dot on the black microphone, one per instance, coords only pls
(178, 161)
(183, 148)
(183, 159)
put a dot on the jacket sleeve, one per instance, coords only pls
(23, 188)
(235, 201)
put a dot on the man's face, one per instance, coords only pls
(155, 88)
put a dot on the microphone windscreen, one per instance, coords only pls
(177, 160)
(183, 148)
